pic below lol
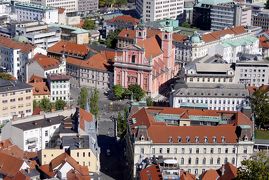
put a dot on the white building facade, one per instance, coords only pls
(227, 97)
(159, 9)
(59, 85)
(35, 12)
(68, 5)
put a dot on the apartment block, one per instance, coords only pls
(197, 140)
(16, 99)
(159, 9)
(228, 15)
(59, 85)
(35, 12)
(68, 5)
(261, 19)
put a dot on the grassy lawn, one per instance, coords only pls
(259, 134)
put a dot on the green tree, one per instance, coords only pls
(111, 40)
(186, 25)
(267, 4)
(137, 91)
(94, 105)
(260, 106)
(5, 76)
(149, 101)
(35, 104)
(102, 3)
(119, 124)
(125, 118)
(45, 105)
(255, 168)
(118, 91)
(121, 2)
(89, 24)
(83, 97)
(60, 104)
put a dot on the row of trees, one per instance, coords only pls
(122, 122)
(260, 106)
(133, 90)
(46, 106)
(5, 76)
(111, 3)
(93, 101)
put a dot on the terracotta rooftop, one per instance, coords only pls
(7, 168)
(35, 78)
(84, 116)
(264, 42)
(69, 48)
(151, 46)
(153, 172)
(61, 10)
(40, 88)
(230, 171)
(160, 132)
(187, 176)
(50, 168)
(127, 33)
(12, 44)
(99, 61)
(216, 35)
(46, 62)
(124, 19)
(210, 174)
(179, 37)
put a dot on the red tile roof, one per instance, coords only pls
(151, 172)
(35, 78)
(230, 171)
(264, 42)
(187, 176)
(210, 175)
(56, 77)
(179, 37)
(124, 19)
(12, 44)
(151, 46)
(84, 116)
(160, 132)
(46, 62)
(40, 88)
(69, 48)
(50, 168)
(99, 61)
(216, 35)
(127, 33)
(74, 175)
(7, 168)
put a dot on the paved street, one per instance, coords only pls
(111, 166)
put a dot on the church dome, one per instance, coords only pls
(21, 39)
(195, 38)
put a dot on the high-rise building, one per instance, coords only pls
(159, 9)
(68, 5)
(261, 19)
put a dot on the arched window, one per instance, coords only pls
(204, 161)
(139, 34)
(222, 139)
(196, 139)
(189, 161)
(179, 139)
(165, 36)
(218, 161)
(211, 161)
(233, 160)
(188, 139)
(170, 139)
(206, 139)
(214, 139)
(182, 160)
(225, 160)
(196, 161)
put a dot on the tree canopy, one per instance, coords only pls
(118, 91)
(260, 106)
(83, 97)
(45, 105)
(60, 104)
(111, 40)
(137, 92)
(257, 167)
(89, 24)
(94, 105)
(5, 76)
(149, 101)
(186, 25)
(267, 4)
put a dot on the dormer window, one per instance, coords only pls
(197, 139)
(214, 139)
(245, 138)
(142, 138)
(139, 34)
(170, 139)
(206, 139)
(222, 139)
(188, 139)
(179, 139)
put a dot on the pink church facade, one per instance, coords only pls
(150, 62)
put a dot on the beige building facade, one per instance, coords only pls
(16, 99)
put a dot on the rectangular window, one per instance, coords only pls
(161, 150)
(168, 150)
(153, 150)
(46, 133)
(83, 154)
(142, 150)
(212, 150)
(219, 150)
(133, 58)
(226, 150)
